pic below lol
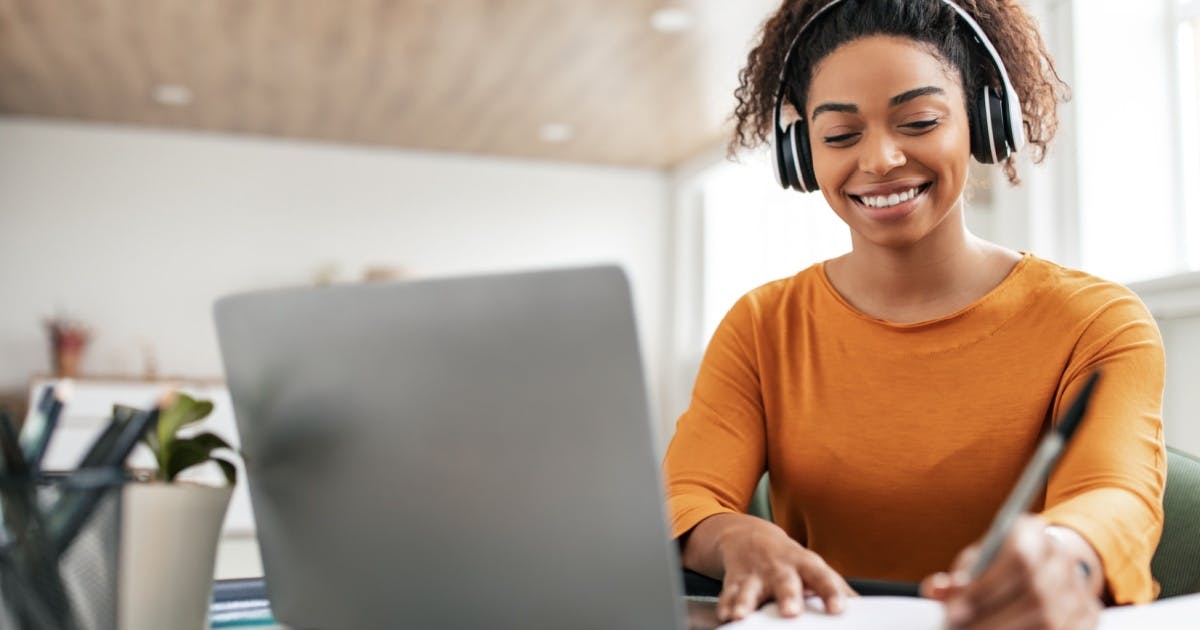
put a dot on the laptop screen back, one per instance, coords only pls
(468, 452)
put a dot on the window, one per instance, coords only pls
(754, 232)
(1188, 56)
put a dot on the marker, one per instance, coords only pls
(40, 426)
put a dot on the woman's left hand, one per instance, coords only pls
(1035, 581)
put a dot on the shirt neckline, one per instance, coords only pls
(993, 295)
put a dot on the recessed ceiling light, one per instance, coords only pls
(556, 133)
(671, 20)
(173, 95)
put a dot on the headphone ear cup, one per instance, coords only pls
(980, 148)
(805, 175)
(989, 130)
(999, 123)
(780, 162)
(787, 159)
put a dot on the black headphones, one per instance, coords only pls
(996, 130)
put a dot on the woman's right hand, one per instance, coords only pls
(760, 562)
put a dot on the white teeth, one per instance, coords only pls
(888, 201)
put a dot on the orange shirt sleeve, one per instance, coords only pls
(1109, 484)
(717, 455)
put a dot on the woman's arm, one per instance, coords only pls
(713, 464)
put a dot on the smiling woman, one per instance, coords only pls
(894, 393)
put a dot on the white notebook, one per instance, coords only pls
(910, 613)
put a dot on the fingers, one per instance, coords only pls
(945, 585)
(1031, 583)
(1019, 564)
(786, 584)
(761, 562)
(788, 592)
(938, 586)
(739, 597)
(826, 583)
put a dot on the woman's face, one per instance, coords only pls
(890, 139)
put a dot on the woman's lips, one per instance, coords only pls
(898, 211)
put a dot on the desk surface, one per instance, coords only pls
(702, 615)
(701, 610)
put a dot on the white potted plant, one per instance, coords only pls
(170, 528)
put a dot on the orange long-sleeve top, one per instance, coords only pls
(890, 447)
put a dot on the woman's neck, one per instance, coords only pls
(942, 273)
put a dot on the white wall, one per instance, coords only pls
(137, 231)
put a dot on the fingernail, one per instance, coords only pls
(788, 607)
(739, 611)
(960, 578)
(837, 604)
(958, 612)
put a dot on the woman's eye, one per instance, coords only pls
(840, 138)
(922, 124)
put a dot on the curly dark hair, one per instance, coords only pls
(1011, 30)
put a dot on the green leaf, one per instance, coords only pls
(184, 454)
(211, 441)
(176, 454)
(181, 413)
(188, 452)
(229, 469)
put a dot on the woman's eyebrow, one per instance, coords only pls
(899, 99)
(845, 108)
(905, 97)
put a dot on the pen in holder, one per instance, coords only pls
(62, 584)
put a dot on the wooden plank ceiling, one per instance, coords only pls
(473, 76)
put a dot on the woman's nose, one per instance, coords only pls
(880, 154)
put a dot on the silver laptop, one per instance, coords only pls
(453, 453)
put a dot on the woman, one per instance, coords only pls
(895, 393)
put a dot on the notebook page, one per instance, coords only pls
(908, 613)
(1168, 614)
(861, 613)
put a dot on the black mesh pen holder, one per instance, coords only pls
(59, 547)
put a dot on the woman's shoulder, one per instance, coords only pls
(1079, 295)
(1068, 283)
(783, 293)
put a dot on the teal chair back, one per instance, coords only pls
(1176, 563)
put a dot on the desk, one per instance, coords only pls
(701, 613)
(701, 610)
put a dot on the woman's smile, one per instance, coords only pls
(891, 205)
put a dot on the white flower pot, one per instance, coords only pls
(169, 534)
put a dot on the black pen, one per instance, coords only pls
(1033, 478)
